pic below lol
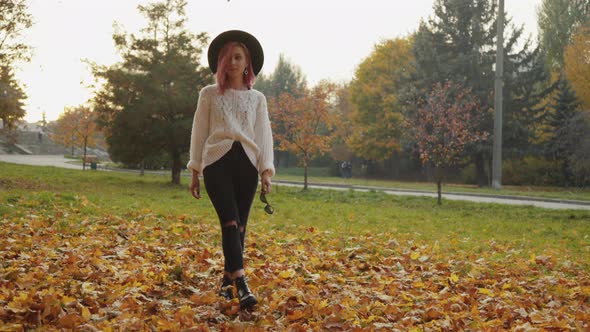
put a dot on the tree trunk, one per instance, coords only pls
(142, 168)
(480, 171)
(176, 168)
(439, 189)
(305, 174)
(84, 158)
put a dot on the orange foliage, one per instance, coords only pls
(305, 122)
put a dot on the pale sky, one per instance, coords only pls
(327, 39)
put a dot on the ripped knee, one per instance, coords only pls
(230, 224)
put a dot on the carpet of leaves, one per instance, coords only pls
(65, 268)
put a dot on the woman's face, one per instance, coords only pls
(237, 62)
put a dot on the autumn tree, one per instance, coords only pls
(287, 77)
(446, 123)
(148, 100)
(557, 20)
(306, 121)
(577, 64)
(14, 20)
(76, 127)
(376, 112)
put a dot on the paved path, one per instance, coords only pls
(60, 161)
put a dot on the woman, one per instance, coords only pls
(231, 144)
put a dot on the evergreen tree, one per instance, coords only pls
(562, 143)
(11, 99)
(458, 44)
(148, 103)
(558, 19)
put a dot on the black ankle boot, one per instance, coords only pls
(226, 290)
(246, 297)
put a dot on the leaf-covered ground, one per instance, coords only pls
(67, 263)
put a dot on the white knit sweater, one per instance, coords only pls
(237, 115)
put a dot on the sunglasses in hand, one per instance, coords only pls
(267, 208)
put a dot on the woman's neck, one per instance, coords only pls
(237, 84)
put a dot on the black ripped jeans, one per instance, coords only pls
(231, 185)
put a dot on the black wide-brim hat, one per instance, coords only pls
(254, 47)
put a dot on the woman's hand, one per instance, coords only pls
(195, 185)
(265, 182)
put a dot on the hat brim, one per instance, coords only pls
(254, 47)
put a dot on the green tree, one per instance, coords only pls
(376, 116)
(286, 77)
(563, 141)
(458, 44)
(558, 19)
(11, 99)
(14, 19)
(155, 87)
(579, 160)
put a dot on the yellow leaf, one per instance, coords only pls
(287, 274)
(485, 291)
(454, 278)
(414, 255)
(66, 300)
(85, 313)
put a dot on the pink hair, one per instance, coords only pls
(223, 62)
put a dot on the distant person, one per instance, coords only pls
(231, 144)
(349, 169)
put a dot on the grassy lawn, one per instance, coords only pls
(112, 251)
(322, 175)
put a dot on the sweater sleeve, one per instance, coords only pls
(199, 133)
(263, 138)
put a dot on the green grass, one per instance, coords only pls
(322, 175)
(456, 226)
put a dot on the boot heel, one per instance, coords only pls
(246, 297)
(227, 286)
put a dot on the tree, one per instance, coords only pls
(286, 78)
(579, 160)
(444, 126)
(14, 19)
(11, 99)
(343, 123)
(76, 127)
(458, 44)
(307, 121)
(558, 19)
(563, 141)
(148, 101)
(377, 115)
(577, 65)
